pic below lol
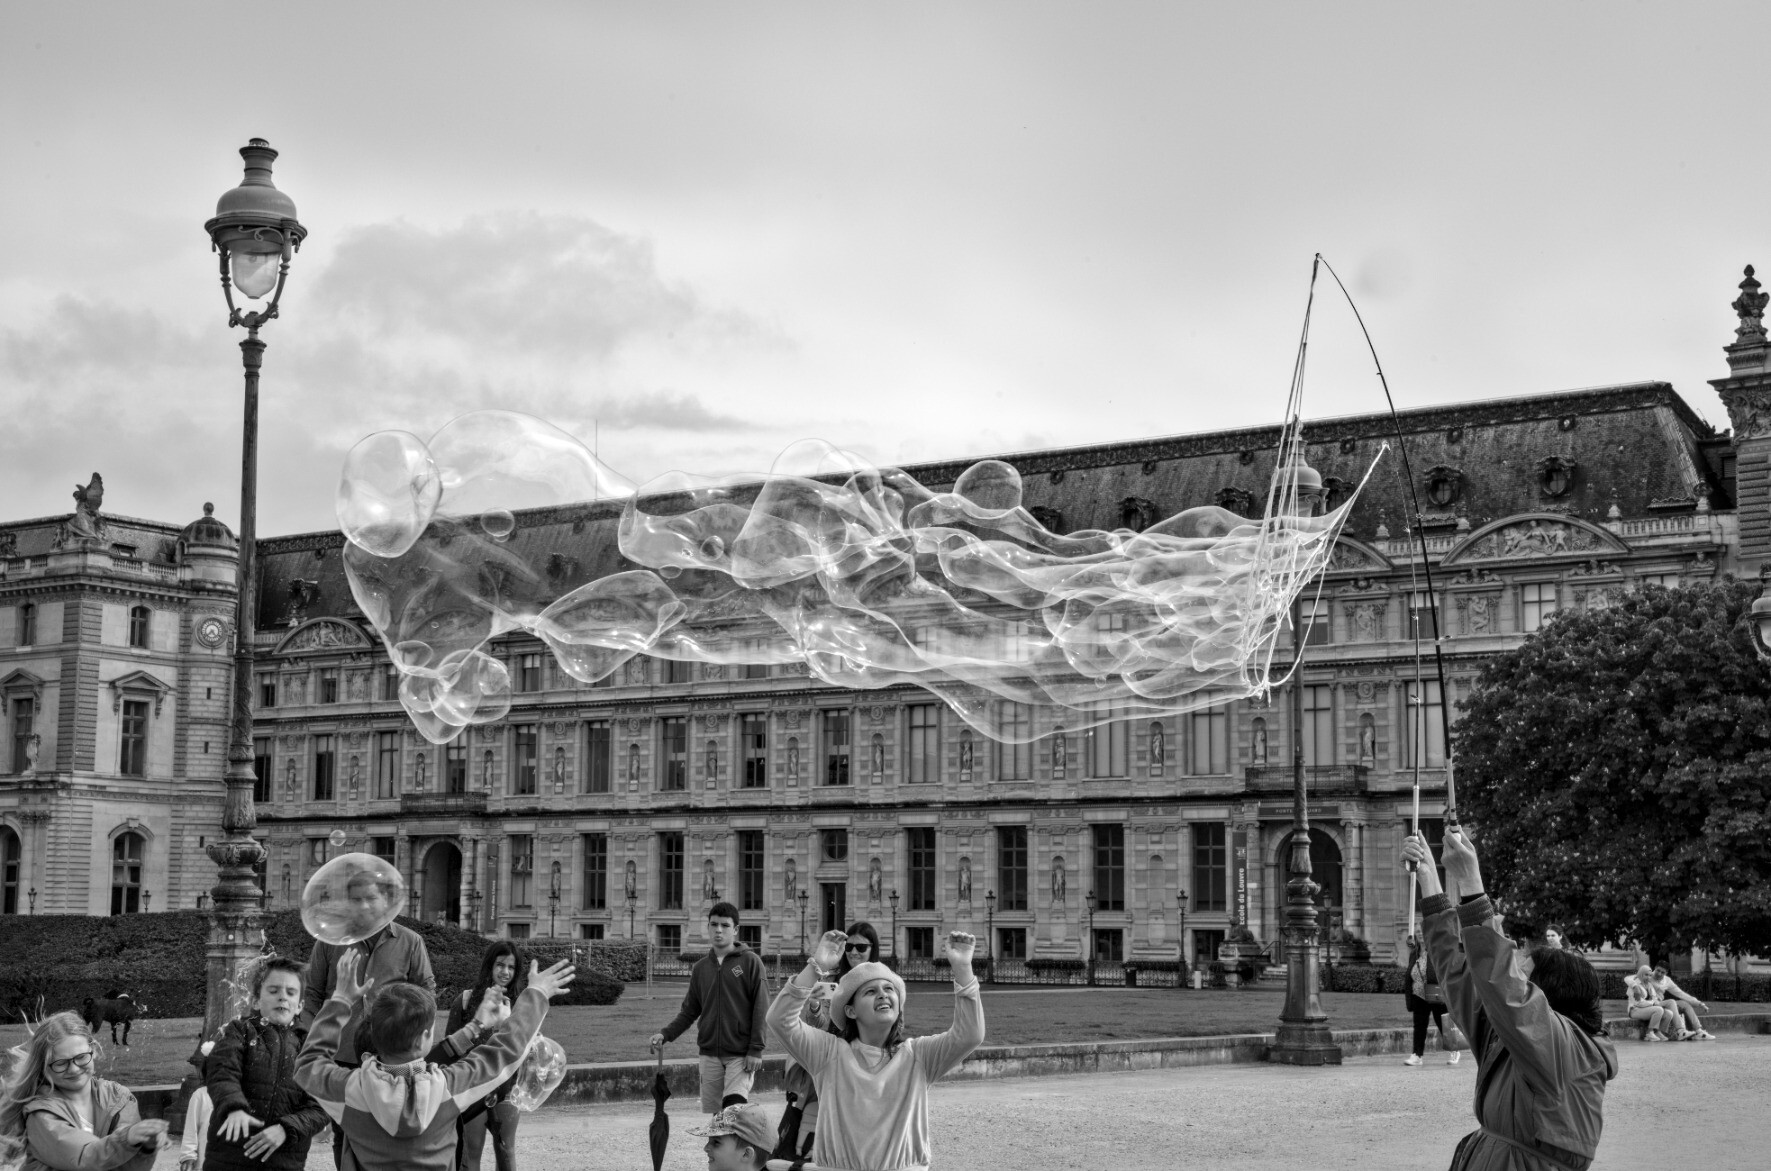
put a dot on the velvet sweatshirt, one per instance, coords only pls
(873, 1112)
(728, 996)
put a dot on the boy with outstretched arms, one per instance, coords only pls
(397, 1110)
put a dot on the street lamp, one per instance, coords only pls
(990, 937)
(805, 901)
(147, 897)
(255, 233)
(1092, 901)
(553, 898)
(33, 894)
(632, 902)
(893, 929)
(1181, 939)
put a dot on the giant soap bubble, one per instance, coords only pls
(542, 1070)
(857, 575)
(352, 897)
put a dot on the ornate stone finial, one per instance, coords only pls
(1751, 352)
(208, 509)
(1383, 530)
(1751, 307)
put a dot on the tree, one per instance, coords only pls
(1616, 773)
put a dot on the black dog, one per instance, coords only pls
(113, 1008)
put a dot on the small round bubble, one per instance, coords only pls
(336, 837)
(498, 524)
(352, 897)
(712, 549)
(543, 1068)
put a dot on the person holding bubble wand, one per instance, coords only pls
(873, 1081)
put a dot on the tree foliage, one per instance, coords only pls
(1616, 771)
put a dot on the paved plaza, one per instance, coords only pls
(1672, 1105)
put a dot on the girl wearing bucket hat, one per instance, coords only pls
(873, 1082)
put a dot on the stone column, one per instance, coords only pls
(1746, 392)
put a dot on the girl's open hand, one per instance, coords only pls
(960, 945)
(828, 954)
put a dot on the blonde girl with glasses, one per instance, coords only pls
(69, 1118)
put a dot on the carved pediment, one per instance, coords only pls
(1535, 536)
(23, 682)
(1350, 555)
(139, 683)
(323, 634)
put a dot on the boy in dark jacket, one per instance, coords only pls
(259, 1117)
(728, 992)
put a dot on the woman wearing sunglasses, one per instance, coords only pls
(69, 1118)
(862, 948)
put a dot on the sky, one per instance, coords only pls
(693, 234)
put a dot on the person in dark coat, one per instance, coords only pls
(503, 975)
(259, 1117)
(1533, 1020)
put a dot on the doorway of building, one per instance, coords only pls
(442, 883)
(836, 906)
(1325, 869)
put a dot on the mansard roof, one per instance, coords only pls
(152, 540)
(1638, 447)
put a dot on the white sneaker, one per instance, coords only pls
(1704, 1035)
(1455, 1054)
(1653, 1036)
(1413, 1059)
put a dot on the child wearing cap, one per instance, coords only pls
(873, 1082)
(739, 1138)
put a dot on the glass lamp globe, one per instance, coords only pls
(254, 273)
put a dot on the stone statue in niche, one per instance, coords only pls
(418, 773)
(1158, 748)
(486, 770)
(875, 881)
(1367, 740)
(965, 756)
(559, 770)
(632, 880)
(356, 773)
(712, 760)
(1058, 879)
(878, 755)
(633, 764)
(708, 890)
(792, 890)
(289, 775)
(33, 744)
(1259, 751)
(1060, 754)
(793, 758)
(965, 880)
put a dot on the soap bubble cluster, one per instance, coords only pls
(352, 897)
(861, 574)
(540, 1074)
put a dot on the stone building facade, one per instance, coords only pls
(627, 807)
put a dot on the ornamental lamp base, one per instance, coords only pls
(1304, 1044)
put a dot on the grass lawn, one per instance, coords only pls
(1016, 1015)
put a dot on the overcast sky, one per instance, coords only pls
(696, 233)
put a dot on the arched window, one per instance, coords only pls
(126, 856)
(11, 857)
(138, 626)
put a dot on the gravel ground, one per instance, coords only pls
(1694, 1105)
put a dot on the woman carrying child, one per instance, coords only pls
(503, 976)
(873, 1081)
(259, 1117)
(69, 1119)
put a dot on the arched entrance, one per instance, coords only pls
(442, 882)
(1325, 869)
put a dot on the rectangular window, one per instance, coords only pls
(387, 765)
(1666, 581)
(385, 848)
(1012, 866)
(24, 721)
(590, 931)
(670, 871)
(1208, 742)
(919, 942)
(596, 872)
(923, 758)
(317, 852)
(528, 673)
(676, 753)
(754, 735)
(522, 869)
(1109, 945)
(834, 845)
(518, 930)
(1318, 725)
(1211, 867)
(1206, 944)
(390, 683)
(27, 624)
(1011, 943)
(1420, 618)
(670, 938)
(132, 759)
(126, 862)
(1537, 601)
(1109, 843)
(267, 691)
(1423, 729)
(920, 843)
(329, 685)
(455, 764)
(599, 756)
(751, 936)
(325, 768)
(1312, 622)
(836, 748)
(524, 759)
(138, 626)
(1108, 745)
(755, 671)
(751, 875)
(678, 672)
(261, 770)
(1014, 752)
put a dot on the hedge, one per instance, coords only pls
(161, 959)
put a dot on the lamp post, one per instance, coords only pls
(632, 902)
(1181, 939)
(473, 909)
(553, 898)
(33, 895)
(1092, 901)
(1303, 1037)
(990, 937)
(147, 897)
(893, 900)
(255, 233)
(805, 901)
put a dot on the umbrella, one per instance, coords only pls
(659, 1131)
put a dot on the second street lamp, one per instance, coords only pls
(990, 937)
(1181, 939)
(1092, 902)
(255, 233)
(894, 902)
(805, 900)
(553, 899)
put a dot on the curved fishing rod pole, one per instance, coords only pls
(1426, 562)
